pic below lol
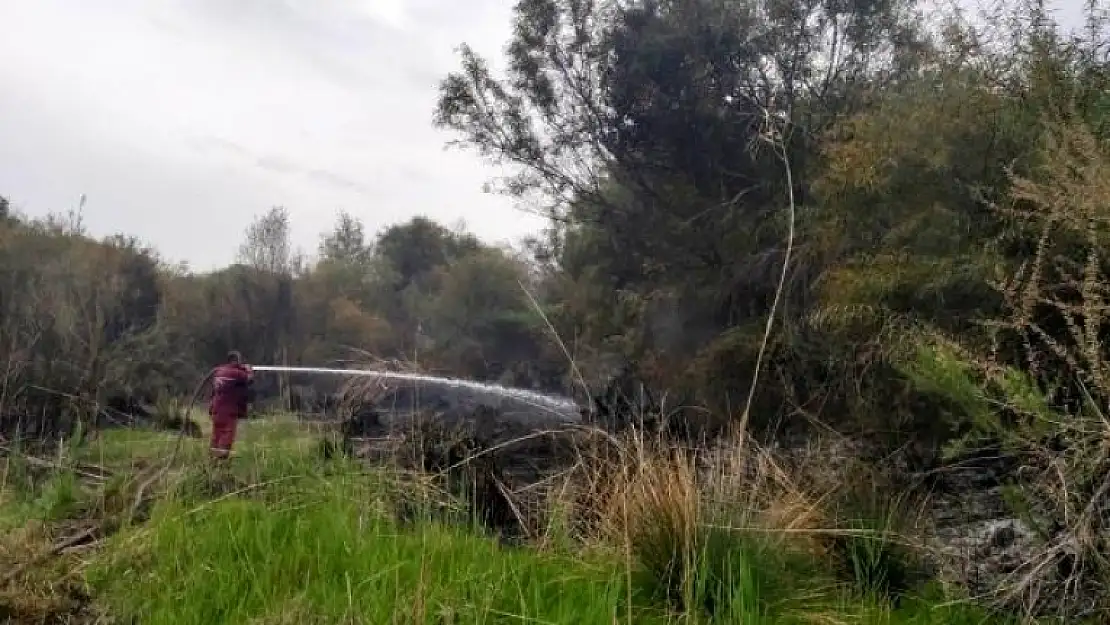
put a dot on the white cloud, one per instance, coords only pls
(392, 12)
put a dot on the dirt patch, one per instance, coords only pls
(41, 581)
(65, 604)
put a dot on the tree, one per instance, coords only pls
(268, 250)
(641, 125)
(268, 246)
(626, 91)
(479, 319)
(346, 243)
(413, 250)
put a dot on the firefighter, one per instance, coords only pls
(231, 391)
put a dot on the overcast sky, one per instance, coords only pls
(183, 119)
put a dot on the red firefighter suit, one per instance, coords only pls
(231, 384)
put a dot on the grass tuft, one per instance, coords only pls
(873, 550)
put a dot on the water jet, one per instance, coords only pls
(511, 401)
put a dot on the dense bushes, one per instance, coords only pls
(87, 324)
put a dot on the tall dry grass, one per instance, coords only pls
(726, 529)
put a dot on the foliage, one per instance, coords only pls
(101, 325)
(1042, 394)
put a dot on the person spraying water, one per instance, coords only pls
(231, 390)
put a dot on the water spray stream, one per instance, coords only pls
(559, 405)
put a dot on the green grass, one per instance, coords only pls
(256, 439)
(322, 549)
(326, 551)
(286, 537)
